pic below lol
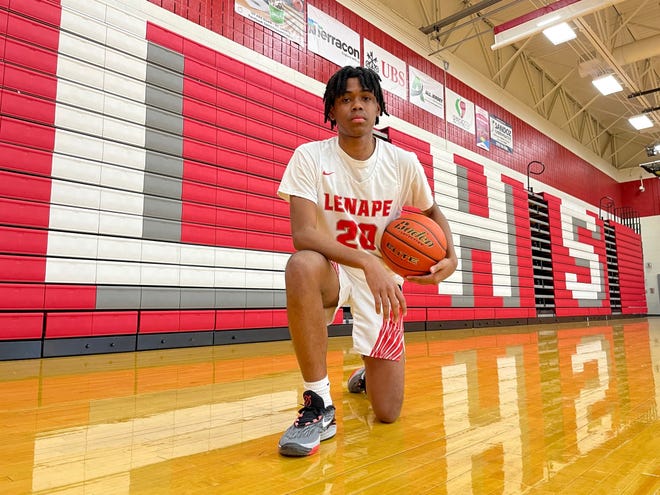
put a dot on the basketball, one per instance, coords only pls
(412, 244)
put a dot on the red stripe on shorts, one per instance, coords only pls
(390, 341)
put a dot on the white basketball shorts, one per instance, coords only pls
(373, 335)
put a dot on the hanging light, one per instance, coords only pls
(653, 150)
(607, 84)
(559, 33)
(640, 122)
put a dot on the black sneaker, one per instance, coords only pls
(357, 382)
(314, 423)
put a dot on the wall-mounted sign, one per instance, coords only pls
(501, 134)
(426, 92)
(285, 17)
(460, 111)
(330, 39)
(392, 70)
(482, 127)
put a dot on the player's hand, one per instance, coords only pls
(388, 297)
(439, 272)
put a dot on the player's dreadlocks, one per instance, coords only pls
(369, 80)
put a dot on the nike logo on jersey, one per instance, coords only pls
(327, 173)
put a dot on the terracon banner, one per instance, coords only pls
(392, 70)
(330, 39)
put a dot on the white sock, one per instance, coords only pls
(322, 388)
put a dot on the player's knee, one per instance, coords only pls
(305, 271)
(386, 409)
(302, 263)
(387, 414)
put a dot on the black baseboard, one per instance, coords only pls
(500, 322)
(341, 330)
(79, 346)
(173, 340)
(250, 335)
(414, 326)
(540, 320)
(20, 349)
(449, 324)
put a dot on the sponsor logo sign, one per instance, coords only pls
(460, 111)
(392, 70)
(426, 92)
(330, 39)
(285, 17)
(483, 134)
(501, 134)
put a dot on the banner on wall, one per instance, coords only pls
(392, 70)
(501, 134)
(460, 111)
(483, 132)
(285, 17)
(330, 39)
(426, 92)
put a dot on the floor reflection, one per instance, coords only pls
(546, 409)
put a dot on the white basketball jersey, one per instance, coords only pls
(356, 199)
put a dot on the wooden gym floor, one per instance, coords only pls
(549, 409)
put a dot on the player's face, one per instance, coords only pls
(356, 110)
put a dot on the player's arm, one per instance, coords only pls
(445, 267)
(307, 236)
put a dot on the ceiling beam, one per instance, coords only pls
(513, 58)
(555, 87)
(458, 16)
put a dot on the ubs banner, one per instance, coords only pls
(392, 70)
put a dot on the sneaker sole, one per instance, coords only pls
(297, 450)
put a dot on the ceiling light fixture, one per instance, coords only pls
(640, 122)
(607, 85)
(535, 21)
(652, 167)
(653, 150)
(559, 33)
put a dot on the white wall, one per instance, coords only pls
(651, 250)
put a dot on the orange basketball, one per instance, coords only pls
(412, 244)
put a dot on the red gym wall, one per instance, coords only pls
(138, 176)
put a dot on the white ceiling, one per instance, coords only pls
(552, 80)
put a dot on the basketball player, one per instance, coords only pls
(342, 193)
